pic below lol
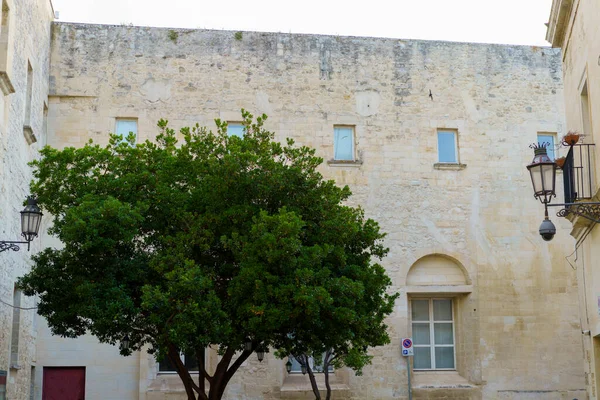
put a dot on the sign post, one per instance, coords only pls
(407, 352)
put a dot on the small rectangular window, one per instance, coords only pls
(29, 95)
(5, 84)
(433, 333)
(125, 126)
(235, 129)
(447, 146)
(585, 111)
(297, 367)
(16, 327)
(189, 360)
(45, 124)
(343, 143)
(548, 138)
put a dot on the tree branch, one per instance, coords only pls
(311, 376)
(200, 358)
(216, 386)
(234, 367)
(326, 363)
(184, 374)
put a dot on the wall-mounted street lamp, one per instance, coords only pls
(31, 217)
(126, 342)
(543, 179)
(260, 353)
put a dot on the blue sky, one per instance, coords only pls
(484, 21)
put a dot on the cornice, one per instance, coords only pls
(558, 21)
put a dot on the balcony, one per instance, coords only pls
(578, 173)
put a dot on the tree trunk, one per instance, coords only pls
(326, 363)
(216, 391)
(183, 373)
(224, 373)
(326, 372)
(311, 376)
(217, 383)
(233, 369)
(200, 358)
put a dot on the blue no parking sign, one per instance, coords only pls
(407, 347)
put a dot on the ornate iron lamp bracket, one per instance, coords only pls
(590, 211)
(11, 246)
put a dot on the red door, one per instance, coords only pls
(64, 383)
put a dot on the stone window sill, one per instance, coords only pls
(449, 166)
(29, 136)
(5, 84)
(344, 163)
(167, 383)
(294, 383)
(440, 380)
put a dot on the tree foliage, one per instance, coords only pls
(203, 239)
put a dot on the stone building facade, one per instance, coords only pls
(439, 141)
(574, 26)
(24, 70)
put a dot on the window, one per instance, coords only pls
(16, 324)
(297, 368)
(433, 333)
(125, 126)
(235, 129)
(189, 360)
(548, 138)
(45, 123)
(585, 111)
(29, 95)
(447, 146)
(5, 84)
(343, 143)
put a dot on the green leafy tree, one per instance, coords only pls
(209, 240)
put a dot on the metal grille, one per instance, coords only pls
(578, 171)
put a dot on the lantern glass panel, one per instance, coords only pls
(30, 224)
(548, 177)
(536, 178)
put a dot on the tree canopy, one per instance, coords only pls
(202, 239)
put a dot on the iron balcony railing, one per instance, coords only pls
(578, 173)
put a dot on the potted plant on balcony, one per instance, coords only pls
(571, 138)
(560, 162)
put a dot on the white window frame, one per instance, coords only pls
(353, 150)
(554, 145)
(437, 138)
(137, 128)
(236, 123)
(311, 363)
(432, 323)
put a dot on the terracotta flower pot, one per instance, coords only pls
(571, 139)
(560, 162)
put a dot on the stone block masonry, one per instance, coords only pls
(514, 297)
(24, 68)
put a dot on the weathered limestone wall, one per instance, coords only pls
(577, 27)
(108, 375)
(517, 324)
(25, 39)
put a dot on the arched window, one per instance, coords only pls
(434, 285)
